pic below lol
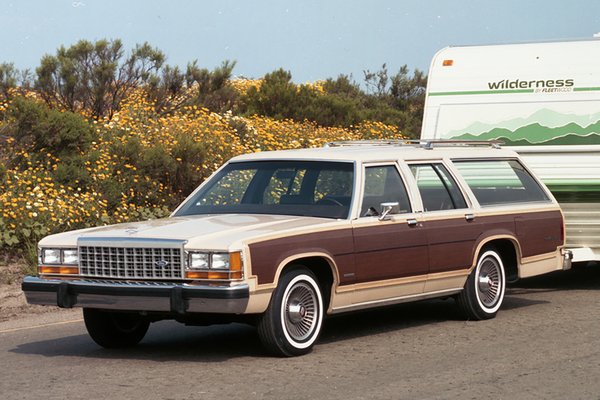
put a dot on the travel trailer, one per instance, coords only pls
(540, 99)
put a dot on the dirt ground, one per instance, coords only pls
(12, 300)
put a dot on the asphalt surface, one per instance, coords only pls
(544, 344)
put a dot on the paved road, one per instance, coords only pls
(544, 344)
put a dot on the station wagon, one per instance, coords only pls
(283, 239)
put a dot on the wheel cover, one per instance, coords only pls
(489, 281)
(301, 314)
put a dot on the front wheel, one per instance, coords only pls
(484, 291)
(292, 322)
(114, 330)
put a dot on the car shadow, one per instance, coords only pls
(165, 341)
(170, 341)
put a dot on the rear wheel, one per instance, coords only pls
(484, 291)
(293, 320)
(114, 330)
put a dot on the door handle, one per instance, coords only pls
(469, 217)
(411, 222)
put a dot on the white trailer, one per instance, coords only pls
(541, 98)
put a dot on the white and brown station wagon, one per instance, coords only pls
(281, 239)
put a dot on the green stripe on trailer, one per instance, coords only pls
(573, 185)
(471, 92)
(575, 192)
(586, 89)
(505, 91)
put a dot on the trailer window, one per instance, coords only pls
(496, 182)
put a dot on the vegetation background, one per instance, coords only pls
(99, 134)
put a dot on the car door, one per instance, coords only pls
(449, 223)
(390, 255)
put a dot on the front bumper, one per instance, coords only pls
(176, 298)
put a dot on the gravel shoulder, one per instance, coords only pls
(15, 312)
(14, 307)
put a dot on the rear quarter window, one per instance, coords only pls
(496, 182)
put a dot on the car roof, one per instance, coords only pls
(374, 153)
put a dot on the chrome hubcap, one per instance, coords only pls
(301, 311)
(485, 283)
(296, 312)
(488, 288)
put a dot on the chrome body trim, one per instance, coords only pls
(397, 300)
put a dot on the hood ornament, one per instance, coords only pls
(131, 231)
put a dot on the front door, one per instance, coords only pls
(391, 256)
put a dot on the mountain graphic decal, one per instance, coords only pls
(551, 128)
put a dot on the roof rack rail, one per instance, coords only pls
(376, 142)
(423, 143)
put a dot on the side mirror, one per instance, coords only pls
(388, 209)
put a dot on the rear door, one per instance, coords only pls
(451, 227)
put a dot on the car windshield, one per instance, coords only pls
(307, 188)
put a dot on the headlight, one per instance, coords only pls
(58, 262)
(50, 256)
(70, 257)
(59, 256)
(209, 265)
(198, 261)
(219, 261)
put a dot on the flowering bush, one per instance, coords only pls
(136, 165)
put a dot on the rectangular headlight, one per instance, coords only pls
(198, 260)
(50, 256)
(220, 261)
(214, 266)
(70, 256)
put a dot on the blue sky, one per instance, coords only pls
(314, 39)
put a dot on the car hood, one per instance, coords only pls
(206, 232)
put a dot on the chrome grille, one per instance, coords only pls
(131, 262)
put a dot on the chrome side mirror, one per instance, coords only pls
(387, 209)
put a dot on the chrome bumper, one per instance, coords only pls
(136, 296)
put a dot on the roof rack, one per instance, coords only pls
(423, 143)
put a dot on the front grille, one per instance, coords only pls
(131, 262)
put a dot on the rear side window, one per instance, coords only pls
(496, 182)
(437, 188)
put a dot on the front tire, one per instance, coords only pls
(484, 291)
(293, 320)
(114, 330)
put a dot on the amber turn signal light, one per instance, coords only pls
(206, 275)
(58, 270)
